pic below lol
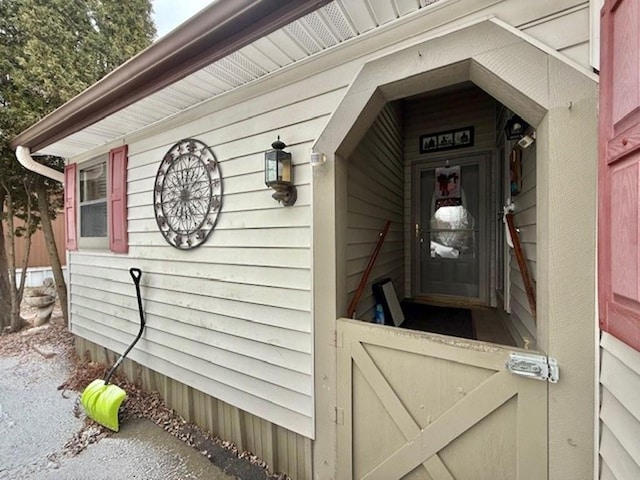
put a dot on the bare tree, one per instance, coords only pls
(56, 265)
(11, 320)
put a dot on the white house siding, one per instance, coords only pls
(566, 31)
(374, 195)
(619, 410)
(522, 325)
(459, 108)
(232, 318)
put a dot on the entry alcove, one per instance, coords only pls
(559, 101)
(461, 282)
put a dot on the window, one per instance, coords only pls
(96, 200)
(93, 201)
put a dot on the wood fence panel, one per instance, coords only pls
(38, 256)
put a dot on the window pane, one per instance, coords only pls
(450, 264)
(93, 183)
(93, 220)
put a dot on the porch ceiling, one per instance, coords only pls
(330, 25)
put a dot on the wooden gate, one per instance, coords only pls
(414, 405)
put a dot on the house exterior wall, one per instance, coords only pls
(282, 449)
(619, 410)
(523, 324)
(558, 98)
(230, 318)
(233, 318)
(374, 195)
(566, 31)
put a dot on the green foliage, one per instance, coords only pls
(50, 51)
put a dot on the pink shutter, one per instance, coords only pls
(117, 200)
(619, 172)
(70, 233)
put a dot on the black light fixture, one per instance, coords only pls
(278, 173)
(516, 128)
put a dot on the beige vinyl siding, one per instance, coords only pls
(525, 221)
(282, 450)
(521, 324)
(449, 110)
(232, 317)
(374, 195)
(619, 410)
(566, 31)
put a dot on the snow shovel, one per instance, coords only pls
(101, 399)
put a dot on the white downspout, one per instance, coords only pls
(23, 154)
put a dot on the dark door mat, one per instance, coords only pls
(456, 322)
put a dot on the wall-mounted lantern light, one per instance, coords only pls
(278, 174)
(516, 128)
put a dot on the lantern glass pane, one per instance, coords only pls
(271, 167)
(284, 169)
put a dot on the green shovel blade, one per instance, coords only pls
(102, 402)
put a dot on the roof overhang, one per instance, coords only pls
(217, 31)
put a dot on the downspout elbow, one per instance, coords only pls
(23, 154)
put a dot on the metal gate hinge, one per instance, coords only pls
(336, 339)
(534, 366)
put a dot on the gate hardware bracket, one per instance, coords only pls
(336, 339)
(533, 366)
(337, 415)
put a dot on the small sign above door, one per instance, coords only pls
(446, 140)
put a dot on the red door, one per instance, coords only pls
(619, 171)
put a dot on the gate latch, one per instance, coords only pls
(533, 366)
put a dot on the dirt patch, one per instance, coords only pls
(56, 343)
(55, 335)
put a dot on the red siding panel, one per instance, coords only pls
(70, 231)
(619, 172)
(117, 200)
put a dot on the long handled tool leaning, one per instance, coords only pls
(351, 311)
(522, 262)
(101, 399)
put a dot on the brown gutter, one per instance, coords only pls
(219, 30)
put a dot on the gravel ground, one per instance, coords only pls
(28, 442)
(35, 363)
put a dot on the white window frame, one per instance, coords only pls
(96, 243)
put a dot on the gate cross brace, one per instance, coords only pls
(424, 444)
(407, 425)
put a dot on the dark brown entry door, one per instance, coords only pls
(451, 241)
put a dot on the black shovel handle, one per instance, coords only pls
(136, 275)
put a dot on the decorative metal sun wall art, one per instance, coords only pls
(187, 196)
